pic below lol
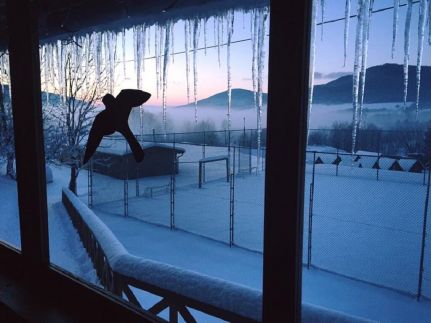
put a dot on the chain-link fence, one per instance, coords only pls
(364, 219)
(363, 213)
(198, 182)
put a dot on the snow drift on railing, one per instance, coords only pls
(216, 292)
(213, 291)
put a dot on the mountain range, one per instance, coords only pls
(383, 83)
(241, 99)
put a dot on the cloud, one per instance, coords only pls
(333, 75)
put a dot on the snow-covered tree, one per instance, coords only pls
(69, 118)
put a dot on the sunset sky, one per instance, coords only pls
(329, 53)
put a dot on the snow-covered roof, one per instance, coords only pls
(367, 161)
(407, 164)
(326, 158)
(121, 147)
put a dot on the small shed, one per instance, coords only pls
(389, 164)
(116, 160)
(322, 158)
(411, 165)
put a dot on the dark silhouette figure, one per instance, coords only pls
(115, 118)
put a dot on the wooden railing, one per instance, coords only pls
(179, 289)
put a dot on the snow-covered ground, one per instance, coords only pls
(375, 238)
(65, 247)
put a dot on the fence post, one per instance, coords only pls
(424, 232)
(172, 186)
(126, 184)
(249, 153)
(137, 180)
(90, 183)
(232, 201)
(154, 135)
(203, 156)
(336, 169)
(310, 213)
(378, 167)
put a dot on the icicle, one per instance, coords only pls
(312, 57)
(346, 28)
(123, 45)
(205, 35)
(218, 39)
(357, 69)
(46, 73)
(263, 14)
(322, 17)
(136, 56)
(406, 48)
(230, 20)
(429, 22)
(186, 50)
(157, 60)
(365, 37)
(159, 54)
(395, 25)
(421, 34)
(254, 32)
(172, 44)
(167, 43)
(195, 70)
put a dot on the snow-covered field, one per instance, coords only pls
(363, 228)
(375, 238)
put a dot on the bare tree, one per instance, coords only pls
(69, 119)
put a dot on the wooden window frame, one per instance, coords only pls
(284, 190)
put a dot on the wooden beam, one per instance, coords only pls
(285, 160)
(28, 130)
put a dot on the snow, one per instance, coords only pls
(191, 252)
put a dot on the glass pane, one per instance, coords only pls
(9, 218)
(366, 238)
(192, 209)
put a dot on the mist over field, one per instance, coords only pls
(181, 119)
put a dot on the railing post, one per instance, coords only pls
(424, 233)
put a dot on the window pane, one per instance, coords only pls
(9, 218)
(366, 240)
(192, 210)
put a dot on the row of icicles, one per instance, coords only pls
(364, 14)
(101, 48)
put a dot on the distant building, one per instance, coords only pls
(116, 160)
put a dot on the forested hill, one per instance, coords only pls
(241, 99)
(384, 83)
